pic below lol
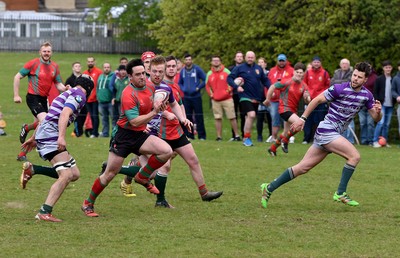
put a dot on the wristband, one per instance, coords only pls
(303, 118)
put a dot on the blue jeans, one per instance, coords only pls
(194, 108)
(93, 109)
(276, 118)
(348, 134)
(106, 111)
(382, 127)
(367, 126)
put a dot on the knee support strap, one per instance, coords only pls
(64, 164)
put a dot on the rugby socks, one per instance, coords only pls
(152, 164)
(247, 135)
(45, 209)
(31, 126)
(347, 172)
(97, 188)
(43, 170)
(160, 181)
(203, 190)
(130, 171)
(285, 177)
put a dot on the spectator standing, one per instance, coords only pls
(104, 97)
(250, 93)
(192, 80)
(343, 74)
(383, 93)
(119, 85)
(263, 111)
(71, 81)
(92, 104)
(221, 96)
(396, 93)
(281, 72)
(317, 80)
(367, 124)
(235, 96)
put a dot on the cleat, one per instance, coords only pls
(23, 134)
(292, 139)
(164, 204)
(265, 195)
(103, 168)
(126, 189)
(26, 174)
(88, 209)
(344, 198)
(47, 217)
(209, 196)
(270, 139)
(272, 153)
(247, 142)
(22, 158)
(285, 147)
(146, 183)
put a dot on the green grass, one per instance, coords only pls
(301, 220)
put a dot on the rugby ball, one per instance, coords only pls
(161, 95)
(239, 81)
(382, 141)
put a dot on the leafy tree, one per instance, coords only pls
(333, 29)
(133, 22)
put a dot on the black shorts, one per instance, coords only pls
(125, 142)
(248, 106)
(177, 143)
(286, 115)
(37, 104)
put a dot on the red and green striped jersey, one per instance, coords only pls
(41, 76)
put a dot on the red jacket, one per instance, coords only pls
(94, 73)
(317, 81)
(276, 73)
(216, 84)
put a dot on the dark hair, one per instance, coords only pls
(170, 58)
(299, 65)
(216, 56)
(187, 55)
(86, 82)
(363, 67)
(133, 63)
(123, 58)
(386, 62)
(74, 63)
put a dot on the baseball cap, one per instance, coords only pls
(316, 58)
(282, 57)
(147, 54)
(121, 67)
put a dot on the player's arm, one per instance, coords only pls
(61, 87)
(62, 127)
(176, 109)
(17, 82)
(375, 111)
(299, 124)
(144, 119)
(306, 97)
(269, 95)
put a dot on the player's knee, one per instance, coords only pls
(355, 159)
(67, 170)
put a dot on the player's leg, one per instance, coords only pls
(65, 166)
(186, 151)
(29, 170)
(160, 181)
(313, 157)
(344, 148)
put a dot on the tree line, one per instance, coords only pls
(332, 29)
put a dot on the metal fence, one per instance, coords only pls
(66, 35)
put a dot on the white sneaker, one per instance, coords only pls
(376, 145)
(291, 139)
(270, 139)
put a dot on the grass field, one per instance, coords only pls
(301, 221)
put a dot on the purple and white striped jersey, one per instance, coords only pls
(73, 98)
(154, 123)
(345, 103)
